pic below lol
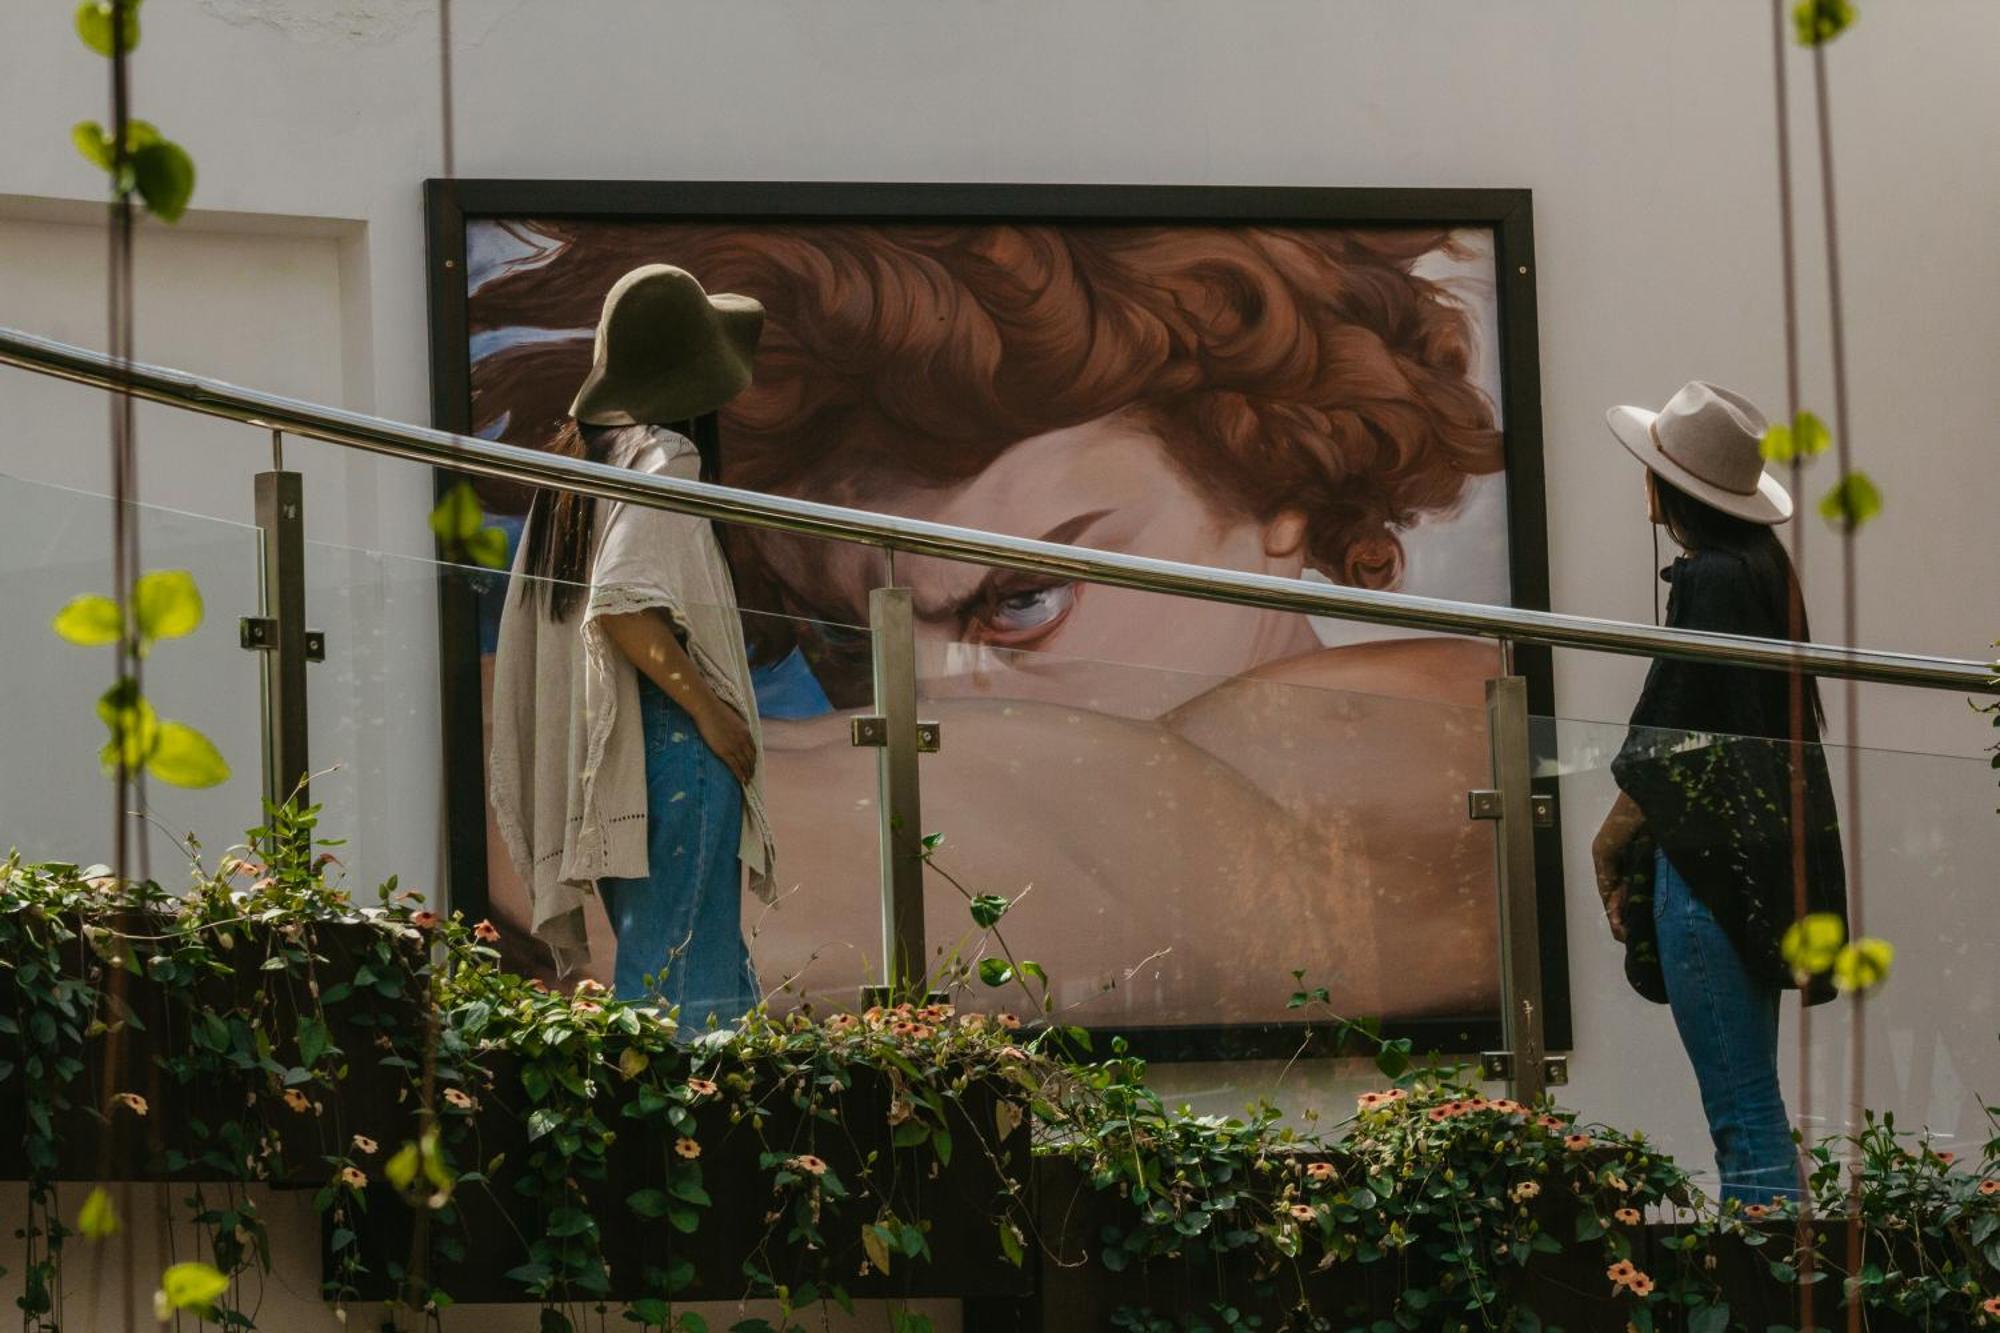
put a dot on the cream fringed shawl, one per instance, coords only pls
(567, 772)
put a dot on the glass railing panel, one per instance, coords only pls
(1920, 846)
(56, 802)
(1177, 845)
(394, 759)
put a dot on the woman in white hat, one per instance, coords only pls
(625, 737)
(1719, 840)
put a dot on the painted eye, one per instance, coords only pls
(1029, 612)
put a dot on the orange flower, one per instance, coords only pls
(1319, 1170)
(1640, 1285)
(1396, 1094)
(1992, 1306)
(353, 1177)
(900, 1109)
(1371, 1101)
(687, 1147)
(1945, 1158)
(1476, 1104)
(297, 1100)
(701, 1087)
(1621, 1272)
(486, 933)
(1303, 1213)
(589, 986)
(364, 1145)
(873, 1016)
(1577, 1142)
(131, 1101)
(459, 1097)
(972, 1022)
(921, 1030)
(1756, 1212)
(1630, 1217)
(1007, 1021)
(1552, 1124)
(935, 1013)
(1989, 1187)
(588, 1007)
(1012, 1053)
(1438, 1114)
(1524, 1191)
(807, 1163)
(840, 1023)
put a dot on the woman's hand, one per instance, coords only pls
(726, 733)
(1607, 854)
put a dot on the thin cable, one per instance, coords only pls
(1844, 446)
(1795, 611)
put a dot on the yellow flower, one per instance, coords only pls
(459, 1097)
(701, 1087)
(132, 1101)
(353, 1177)
(1525, 1191)
(1990, 1187)
(807, 1163)
(1007, 1021)
(364, 1145)
(1630, 1217)
(1303, 1213)
(687, 1148)
(297, 1100)
(1621, 1272)
(1319, 1170)
(1640, 1285)
(1577, 1142)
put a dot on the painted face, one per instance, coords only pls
(1107, 484)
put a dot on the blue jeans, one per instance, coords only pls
(680, 929)
(1728, 1024)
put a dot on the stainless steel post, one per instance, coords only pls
(1514, 847)
(900, 794)
(281, 634)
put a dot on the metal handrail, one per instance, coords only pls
(487, 458)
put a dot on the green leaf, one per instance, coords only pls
(1820, 21)
(648, 1202)
(1806, 437)
(89, 621)
(1709, 1318)
(875, 1244)
(1010, 1244)
(1812, 943)
(99, 1218)
(1863, 965)
(401, 1169)
(1852, 502)
(183, 757)
(135, 727)
(93, 24)
(987, 908)
(458, 515)
(190, 1286)
(314, 1041)
(166, 604)
(93, 143)
(163, 173)
(995, 971)
(487, 547)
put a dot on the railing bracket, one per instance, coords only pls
(1483, 803)
(871, 731)
(1498, 1066)
(260, 634)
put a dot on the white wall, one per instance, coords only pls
(1645, 131)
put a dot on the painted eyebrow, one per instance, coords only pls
(947, 606)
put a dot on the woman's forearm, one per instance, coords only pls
(1620, 826)
(649, 643)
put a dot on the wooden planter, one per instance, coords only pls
(962, 1201)
(210, 1128)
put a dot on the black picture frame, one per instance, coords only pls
(1509, 213)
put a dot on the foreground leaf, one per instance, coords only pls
(188, 1286)
(183, 757)
(166, 604)
(163, 174)
(89, 621)
(1852, 502)
(99, 1218)
(94, 26)
(1820, 21)
(1811, 943)
(1863, 965)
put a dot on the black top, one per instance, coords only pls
(1709, 761)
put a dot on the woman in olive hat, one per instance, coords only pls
(625, 739)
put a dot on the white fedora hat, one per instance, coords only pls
(1708, 442)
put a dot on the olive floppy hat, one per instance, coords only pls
(1708, 442)
(667, 351)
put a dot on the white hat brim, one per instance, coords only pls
(1770, 504)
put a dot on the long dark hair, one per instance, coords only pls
(562, 524)
(1698, 526)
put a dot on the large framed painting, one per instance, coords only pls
(1198, 811)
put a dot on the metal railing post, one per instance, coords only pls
(281, 636)
(900, 793)
(1511, 803)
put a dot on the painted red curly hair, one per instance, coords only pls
(1302, 368)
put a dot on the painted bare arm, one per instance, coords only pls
(1620, 826)
(649, 643)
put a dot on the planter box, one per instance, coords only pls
(961, 1200)
(209, 1127)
